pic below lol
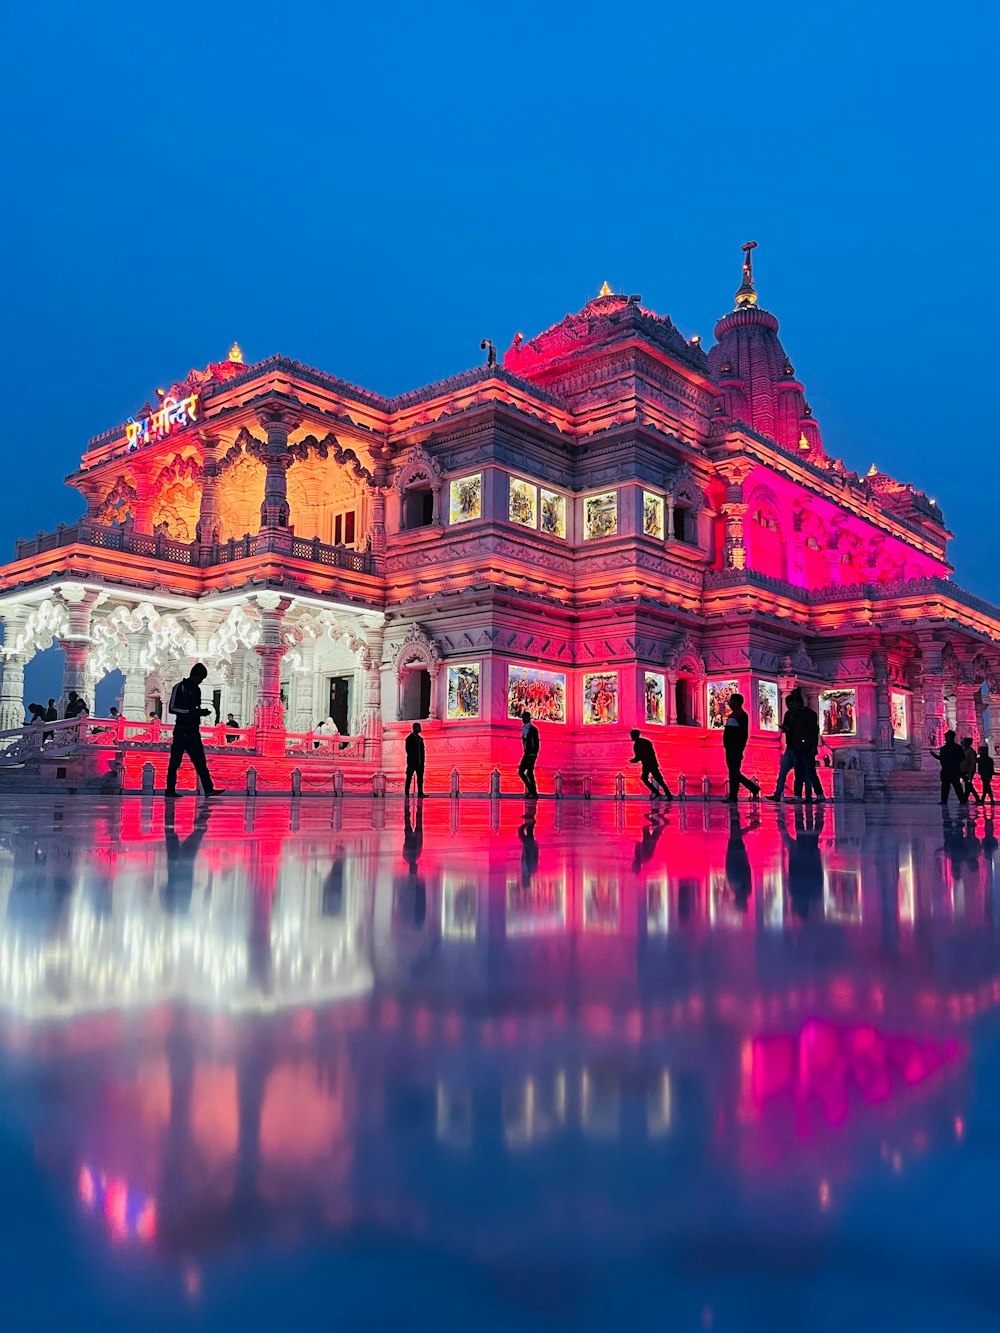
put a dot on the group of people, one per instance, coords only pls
(959, 766)
(76, 706)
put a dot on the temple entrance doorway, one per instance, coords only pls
(339, 703)
(682, 704)
(415, 695)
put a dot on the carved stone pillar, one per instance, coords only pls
(378, 528)
(918, 725)
(669, 697)
(932, 690)
(966, 723)
(79, 603)
(208, 512)
(12, 693)
(883, 711)
(269, 715)
(669, 530)
(134, 694)
(302, 700)
(279, 418)
(734, 551)
(797, 553)
(145, 498)
(371, 719)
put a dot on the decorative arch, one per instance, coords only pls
(418, 651)
(178, 498)
(765, 533)
(118, 506)
(419, 473)
(852, 562)
(46, 623)
(815, 539)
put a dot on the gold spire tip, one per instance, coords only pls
(235, 352)
(747, 296)
(605, 290)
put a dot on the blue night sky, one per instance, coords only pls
(372, 189)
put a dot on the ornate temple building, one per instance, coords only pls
(612, 528)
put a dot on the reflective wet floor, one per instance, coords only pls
(341, 1065)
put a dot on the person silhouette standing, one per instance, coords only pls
(805, 748)
(416, 752)
(950, 758)
(969, 761)
(987, 769)
(530, 746)
(185, 704)
(793, 702)
(735, 735)
(651, 777)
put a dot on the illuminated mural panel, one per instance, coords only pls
(900, 719)
(600, 515)
(522, 505)
(652, 514)
(542, 693)
(553, 514)
(466, 496)
(719, 693)
(600, 697)
(654, 692)
(768, 706)
(838, 712)
(463, 691)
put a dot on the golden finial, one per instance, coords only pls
(746, 296)
(605, 290)
(235, 353)
(873, 471)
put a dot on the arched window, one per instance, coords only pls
(766, 553)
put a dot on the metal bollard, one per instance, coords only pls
(454, 782)
(682, 786)
(378, 784)
(495, 782)
(587, 787)
(619, 785)
(251, 782)
(558, 786)
(706, 787)
(147, 778)
(296, 782)
(338, 782)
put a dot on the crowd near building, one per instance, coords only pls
(610, 527)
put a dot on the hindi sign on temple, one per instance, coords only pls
(173, 414)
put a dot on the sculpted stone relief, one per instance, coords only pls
(178, 499)
(240, 496)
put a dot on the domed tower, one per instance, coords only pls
(756, 378)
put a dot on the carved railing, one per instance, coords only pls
(854, 592)
(330, 747)
(159, 547)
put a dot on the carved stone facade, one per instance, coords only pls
(612, 529)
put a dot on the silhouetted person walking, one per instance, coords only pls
(950, 758)
(74, 706)
(530, 747)
(969, 761)
(987, 769)
(793, 702)
(51, 715)
(735, 735)
(805, 748)
(651, 777)
(415, 754)
(185, 704)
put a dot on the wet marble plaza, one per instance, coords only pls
(345, 1065)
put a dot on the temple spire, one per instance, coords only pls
(747, 296)
(605, 290)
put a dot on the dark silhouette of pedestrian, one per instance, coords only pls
(950, 758)
(177, 891)
(529, 847)
(36, 713)
(739, 876)
(651, 777)
(793, 702)
(805, 748)
(185, 704)
(987, 769)
(735, 735)
(656, 822)
(75, 705)
(969, 762)
(805, 863)
(411, 893)
(51, 715)
(415, 755)
(530, 747)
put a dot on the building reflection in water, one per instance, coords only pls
(257, 1022)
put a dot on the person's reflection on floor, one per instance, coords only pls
(805, 864)
(333, 889)
(739, 875)
(411, 897)
(529, 847)
(652, 830)
(176, 892)
(959, 843)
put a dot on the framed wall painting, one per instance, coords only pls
(838, 712)
(553, 514)
(600, 698)
(522, 505)
(900, 718)
(654, 688)
(466, 498)
(719, 692)
(768, 706)
(463, 691)
(600, 515)
(541, 693)
(652, 515)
